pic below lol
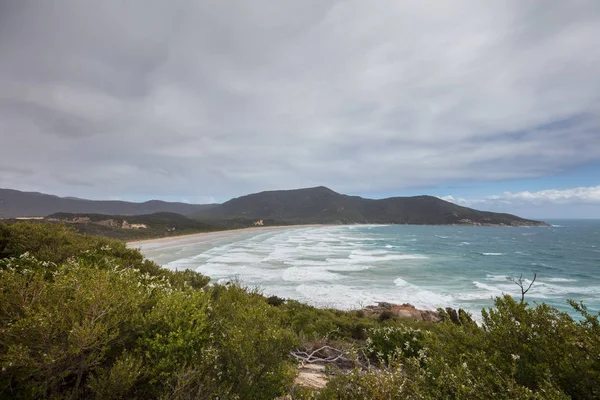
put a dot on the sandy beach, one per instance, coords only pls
(210, 236)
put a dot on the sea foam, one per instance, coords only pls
(345, 267)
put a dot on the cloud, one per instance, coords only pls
(217, 99)
(579, 202)
(579, 195)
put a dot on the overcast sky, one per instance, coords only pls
(496, 104)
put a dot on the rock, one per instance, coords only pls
(312, 376)
(403, 311)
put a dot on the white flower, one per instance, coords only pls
(515, 357)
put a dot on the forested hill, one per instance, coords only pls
(323, 205)
(302, 206)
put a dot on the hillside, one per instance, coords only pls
(323, 205)
(127, 227)
(300, 206)
(14, 203)
(85, 317)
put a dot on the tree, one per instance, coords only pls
(521, 283)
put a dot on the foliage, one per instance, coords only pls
(314, 323)
(104, 323)
(56, 243)
(86, 317)
(389, 342)
(519, 352)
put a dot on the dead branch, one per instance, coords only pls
(313, 357)
(521, 283)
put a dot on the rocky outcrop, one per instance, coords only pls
(403, 311)
(127, 225)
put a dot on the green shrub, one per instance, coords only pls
(275, 301)
(86, 317)
(57, 333)
(98, 321)
(389, 342)
(386, 315)
(519, 352)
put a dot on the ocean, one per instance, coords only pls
(349, 267)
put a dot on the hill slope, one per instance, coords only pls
(14, 203)
(129, 227)
(323, 205)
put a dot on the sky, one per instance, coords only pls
(494, 105)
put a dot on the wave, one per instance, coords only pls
(347, 267)
(401, 282)
(496, 278)
(388, 257)
(562, 280)
(489, 288)
(298, 274)
(420, 297)
(540, 290)
(361, 252)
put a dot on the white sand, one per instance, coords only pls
(210, 236)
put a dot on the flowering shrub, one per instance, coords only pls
(391, 341)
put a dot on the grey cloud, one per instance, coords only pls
(579, 202)
(193, 98)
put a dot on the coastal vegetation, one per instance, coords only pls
(84, 316)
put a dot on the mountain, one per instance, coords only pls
(302, 206)
(323, 205)
(14, 203)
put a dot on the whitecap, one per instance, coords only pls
(489, 288)
(307, 274)
(419, 297)
(370, 252)
(562, 280)
(491, 254)
(388, 257)
(347, 267)
(496, 278)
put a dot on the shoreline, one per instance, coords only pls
(295, 226)
(225, 232)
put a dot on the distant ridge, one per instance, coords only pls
(14, 203)
(302, 206)
(323, 205)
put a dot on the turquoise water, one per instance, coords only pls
(428, 266)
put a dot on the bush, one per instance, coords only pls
(58, 333)
(98, 321)
(390, 342)
(86, 317)
(275, 301)
(519, 352)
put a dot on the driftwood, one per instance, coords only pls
(314, 356)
